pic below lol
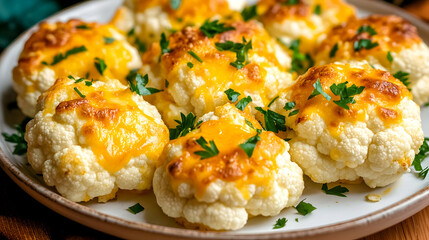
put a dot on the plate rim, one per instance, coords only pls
(69, 209)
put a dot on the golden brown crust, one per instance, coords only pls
(280, 11)
(197, 226)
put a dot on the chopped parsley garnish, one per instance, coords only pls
(17, 138)
(164, 44)
(345, 93)
(249, 145)
(140, 45)
(232, 95)
(83, 26)
(365, 28)
(108, 40)
(184, 127)
(289, 106)
(243, 103)
(190, 65)
(403, 77)
(300, 62)
(291, 2)
(333, 51)
(210, 29)
(175, 4)
(167, 83)
(136, 208)
(89, 83)
(78, 92)
(389, 57)
(281, 222)
(100, 65)
(249, 124)
(87, 75)
(420, 157)
(45, 63)
(193, 54)
(337, 190)
(426, 104)
(296, 219)
(59, 57)
(272, 101)
(364, 43)
(140, 83)
(131, 32)
(209, 151)
(241, 50)
(318, 89)
(273, 121)
(249, 13)
(75, 80)
(304, 208)
(372, 66)
(317, 9)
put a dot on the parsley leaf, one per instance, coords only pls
(273, 121)
(249, 145)
(140, 45)
(78, 92)
(281, 222)
(164, 44)
(232, 95)
(175, 4)
(240, 49)
(210, 151)
(345, 93)
(291, 2)
(190, 65)
(403, 77)
(366, 28)
(364, 43)
(100, 65)
(333, 51)
(318, 89)
(337, 190)
(389, 57)
(317, 9)
(17, 138)
(184, 127)
(132, 32)
(136, 208)
(108, 40)
(249, 13)
(141, 82)
(289, 106)
(243, 103)
(420, 157)
(272, 101)
(193, 54)
(83, 26)
(249, 124)
(89, 83)
(426, 104)
(59, 57)
(304, 208)
(300, 62)
(210, 29)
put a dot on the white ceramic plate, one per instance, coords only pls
(334, 218)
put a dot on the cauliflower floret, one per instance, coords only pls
(220, 191)
(191, 85)
(150, 18)
(376, 139)
(72, 48)
(395, 47)
(90, 141)
(307, 20)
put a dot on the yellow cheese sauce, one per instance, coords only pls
(116, 129)
(54, 39)
(231, 164)
(382, 94)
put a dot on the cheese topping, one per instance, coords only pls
(115, 128)
(382, 93)
(54, 39)
(231, 164)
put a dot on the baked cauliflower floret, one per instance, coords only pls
(197, 70)
(386, 42)
(88, 141)
(307, 20)
(150, 18)
(221, 190)
(73, 48)
(376, 139)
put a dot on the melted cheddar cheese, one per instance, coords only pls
(231, 164)
(50, 40)
(392, 34)
(382, 94)
(115, 128)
